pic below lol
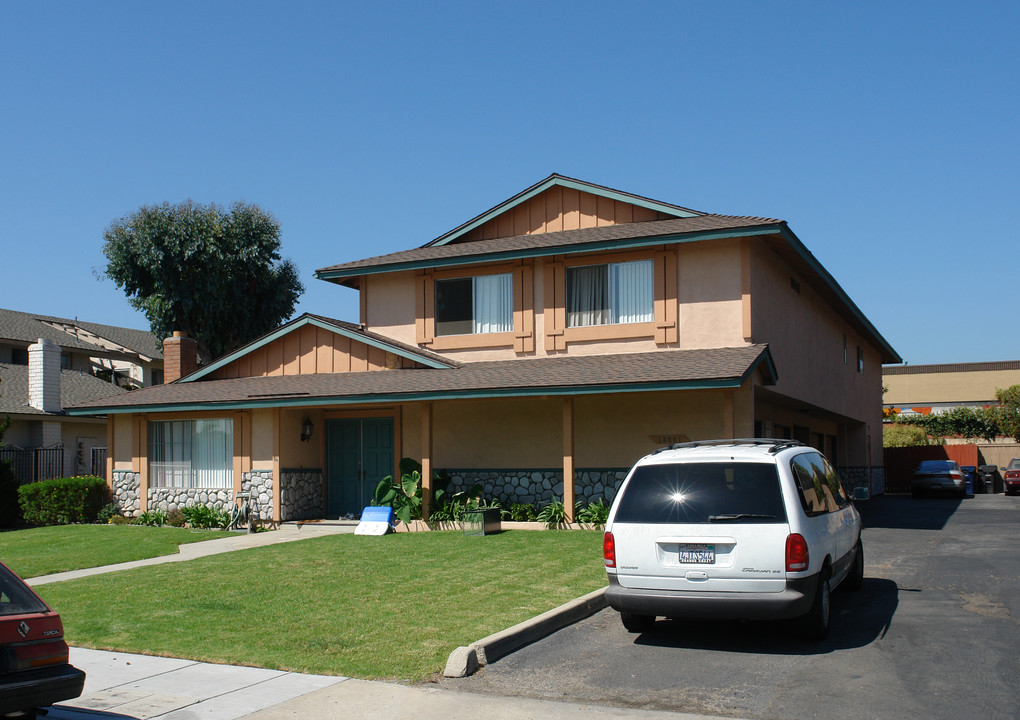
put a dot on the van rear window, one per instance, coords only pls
(702, 493)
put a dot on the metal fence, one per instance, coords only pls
(33, 465)
(99, 462)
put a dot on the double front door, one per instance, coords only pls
(359, 453)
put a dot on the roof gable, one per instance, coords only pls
(313, 344)
(560, 203)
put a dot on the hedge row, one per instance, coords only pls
(63, 501)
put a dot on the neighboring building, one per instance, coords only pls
(48, 363)
(563, 333)
(926, 389)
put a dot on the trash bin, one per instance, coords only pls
(969, 475)
(986, 478)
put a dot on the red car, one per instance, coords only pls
(34, 667)
(1011, 477)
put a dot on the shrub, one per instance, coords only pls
(206, 516)
(522, 512)
(156, 518)
(107, 512)
(554, 514)
(122, 520)
(175, 518)
(596, 513)
(63, 501)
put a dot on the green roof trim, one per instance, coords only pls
(552, 181)
(595, 246)
(296, 325)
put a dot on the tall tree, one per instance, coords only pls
(217, 275)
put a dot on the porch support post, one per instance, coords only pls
(426, 460)
(140, 460)
(277, 443)
(568, 458)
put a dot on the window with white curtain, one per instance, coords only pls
(191, 453)
(479, 304)
(609, 294)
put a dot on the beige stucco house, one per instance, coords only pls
(563, 333)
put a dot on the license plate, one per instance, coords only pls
(697, 554)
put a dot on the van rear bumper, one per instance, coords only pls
(792, 602)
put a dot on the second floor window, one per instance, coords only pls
(480, 304)
(609, 294)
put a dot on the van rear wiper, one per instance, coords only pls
(737, 516)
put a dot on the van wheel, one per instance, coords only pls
(637, 623)
(855, 579)
(816, 622)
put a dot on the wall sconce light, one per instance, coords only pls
(306, 430)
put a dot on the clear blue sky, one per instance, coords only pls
(886, 134)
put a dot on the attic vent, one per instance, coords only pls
(795, 285)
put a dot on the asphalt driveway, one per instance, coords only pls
(933, 633)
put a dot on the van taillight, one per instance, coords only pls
(609, 549)
(796, 553)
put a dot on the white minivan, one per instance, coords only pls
(741, 529)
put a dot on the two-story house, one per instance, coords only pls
(538, 349)
(48, 363)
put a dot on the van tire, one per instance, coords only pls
(816, 621)
(637, 623)
(855, 579)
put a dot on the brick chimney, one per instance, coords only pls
(44, 376)
(180, 356)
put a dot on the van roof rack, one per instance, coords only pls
(774, 444)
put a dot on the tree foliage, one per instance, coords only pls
(215, 274)
(986, 422)
(1009, 411)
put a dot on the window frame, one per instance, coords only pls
(613, 309)
(157, 477)
(473, 320)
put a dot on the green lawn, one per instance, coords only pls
(47, 550)
(388, 607)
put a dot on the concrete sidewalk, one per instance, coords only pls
(122, 685)
(288, 532)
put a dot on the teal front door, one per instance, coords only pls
(359, 453)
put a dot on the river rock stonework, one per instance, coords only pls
(170, 499)
(260, 484)
(858, 477)
(301, 495)
(125, 492)
(540, 486)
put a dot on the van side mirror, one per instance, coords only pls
(862, 493)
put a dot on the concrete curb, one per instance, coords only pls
(465, 661)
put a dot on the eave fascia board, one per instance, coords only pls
(299, 323)
(891, 356)
(595, 246)
(544, 185)
(390, 398)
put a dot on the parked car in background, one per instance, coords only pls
(1011, 477)
(731, 529)
(34, 667)
(938, 476)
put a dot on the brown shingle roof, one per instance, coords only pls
(568, 240)
(75, 387)
(566, 374)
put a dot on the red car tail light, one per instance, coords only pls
(609, 549)
(796, 553)
(33, 655)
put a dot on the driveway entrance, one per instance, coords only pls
(359, 453)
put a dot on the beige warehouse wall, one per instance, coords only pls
(947, 387)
